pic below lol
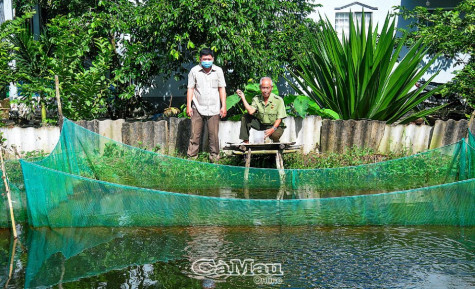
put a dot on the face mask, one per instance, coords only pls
(207, 63)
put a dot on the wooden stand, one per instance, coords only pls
(278, 149)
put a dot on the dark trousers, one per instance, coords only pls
(197, 121)
(248, 121)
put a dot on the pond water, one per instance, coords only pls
(226, 257)
(265, 194)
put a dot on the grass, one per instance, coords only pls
(354, 156)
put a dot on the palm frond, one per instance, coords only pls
(360, 75)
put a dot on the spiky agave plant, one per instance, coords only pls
(359, 76)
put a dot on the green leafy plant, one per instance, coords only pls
(250, 38)
(352, 157)
(182, 113)
(150, 38)
(234, 103)
(70, 48)
(36, 154)
(296, 105)
(7, 48)
(302, 105)
(359, 76)
(451, 33)
(32, 59)
(77, 49)
(82, 60)
(113, 150)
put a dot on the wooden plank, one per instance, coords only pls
(261, 144)
(265, 152)
(281, 158)
(265, 146)
(58, 100)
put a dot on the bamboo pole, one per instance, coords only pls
(246, 173)
(63, 271)
(58, 100)
(15, 151)
(279, 162)
(472, 119)
(12, 259)
(7, 188)
(11, 262)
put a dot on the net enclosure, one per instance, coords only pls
(17, 192)
(90, 181)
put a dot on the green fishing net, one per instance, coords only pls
(64, 255)
(18, 195)
(89, 180)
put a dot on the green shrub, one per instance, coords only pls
(360, 76)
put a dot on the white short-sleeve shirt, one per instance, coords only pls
(206, 93)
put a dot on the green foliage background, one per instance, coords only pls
(450, 33)
(360, 76)
(105, 51)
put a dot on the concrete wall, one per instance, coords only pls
(152, 135)
(339, 135)
(314, 134)
(447, 132)
(411, 138)
(108, 128)
(29, 139)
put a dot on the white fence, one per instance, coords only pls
(313, 133)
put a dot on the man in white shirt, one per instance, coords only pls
(205, 101)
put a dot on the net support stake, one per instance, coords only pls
(7, 188)
(280, 166)
(12, 259)
(58, 100)
(471, 123)
(246, 173)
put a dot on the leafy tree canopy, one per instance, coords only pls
(8, 28)
(160, 37)
(450, 32)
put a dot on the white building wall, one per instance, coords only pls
(7, 10)
(8, 15)
(379, 15)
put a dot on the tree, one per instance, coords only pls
(7, 49)
(68, 47)
(159, 37)
(82, 60)
(32, 70)
(6, 56)
(84, 36)
(450, 33)
(251, 38)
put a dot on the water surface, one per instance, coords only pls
(310, 257)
